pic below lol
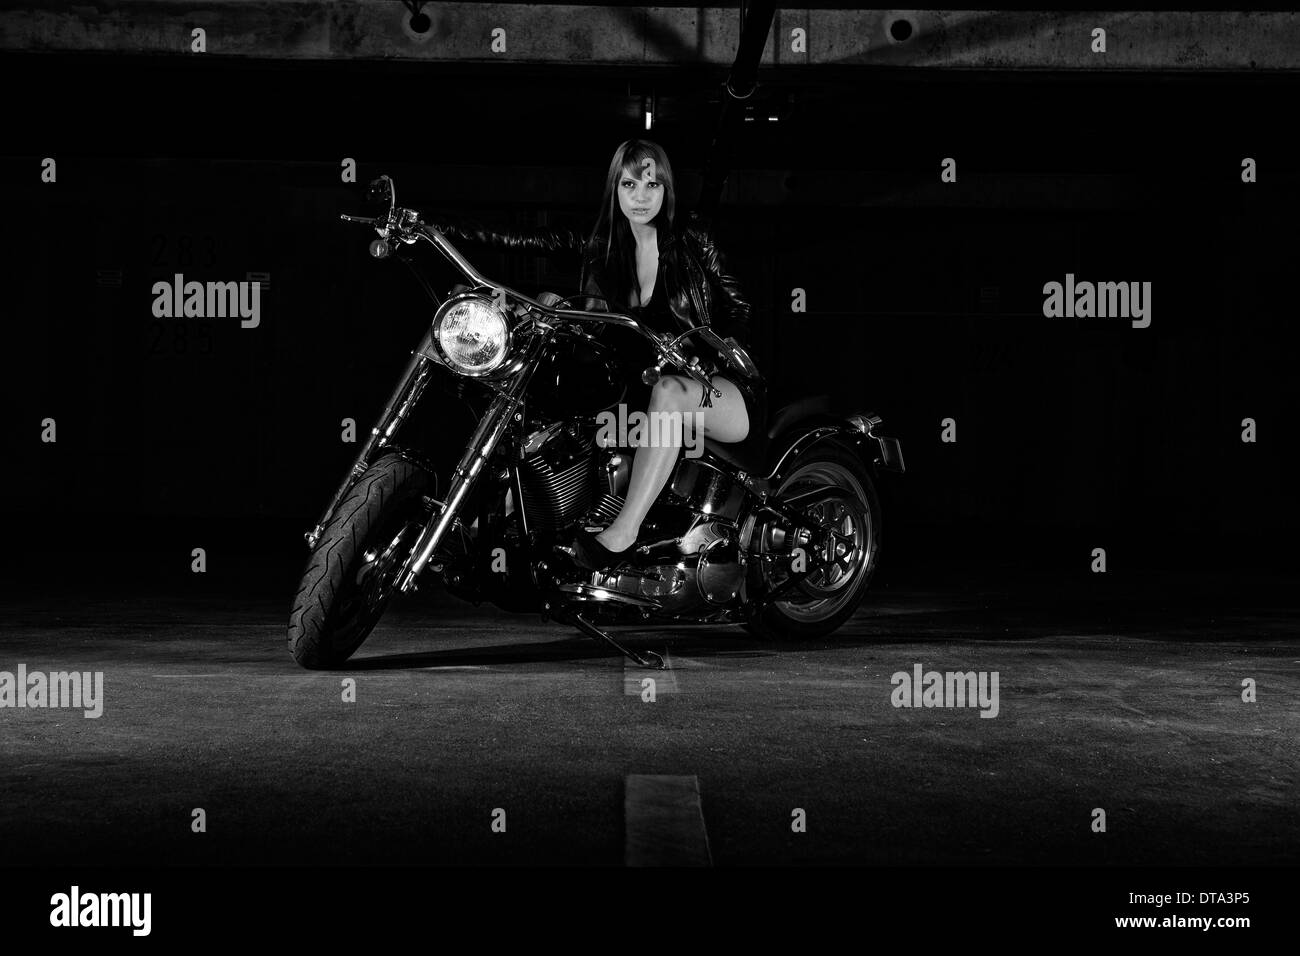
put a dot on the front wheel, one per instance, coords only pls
(838, 547)
(352, 573)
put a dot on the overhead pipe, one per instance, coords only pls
(740, 84)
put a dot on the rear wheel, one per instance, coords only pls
(838, 546)
(352, 573)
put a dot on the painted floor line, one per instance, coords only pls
(664, 822)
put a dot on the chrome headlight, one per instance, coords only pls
(471, 334)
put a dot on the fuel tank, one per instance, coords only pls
(579, 376)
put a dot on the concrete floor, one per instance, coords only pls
(1125, 697)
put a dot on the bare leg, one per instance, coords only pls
(727, 421)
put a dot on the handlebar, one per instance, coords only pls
(664, 344)
(406, 226)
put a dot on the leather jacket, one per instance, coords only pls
(693, 273)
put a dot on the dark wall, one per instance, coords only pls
(925, 299)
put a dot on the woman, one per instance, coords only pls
(640, 260)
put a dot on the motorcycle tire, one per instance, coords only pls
(815, 611)
(351, 574)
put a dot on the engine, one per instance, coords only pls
(696, 558)
(558, 476)
(566, 478)
(692, 557)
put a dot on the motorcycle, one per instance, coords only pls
(785, 545)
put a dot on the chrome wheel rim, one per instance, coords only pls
(840, 535)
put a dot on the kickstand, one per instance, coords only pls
(650, 658)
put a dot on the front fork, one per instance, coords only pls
(404, 398)
(504, 411)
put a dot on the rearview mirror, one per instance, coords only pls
(381, 190)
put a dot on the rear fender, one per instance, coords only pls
(862, 434)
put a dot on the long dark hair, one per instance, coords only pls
(611, 237)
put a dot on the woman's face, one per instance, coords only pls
(641, 197)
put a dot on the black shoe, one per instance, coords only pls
(590, 554)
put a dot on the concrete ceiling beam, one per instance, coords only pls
(660, 37)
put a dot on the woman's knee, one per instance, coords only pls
(671, 394)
